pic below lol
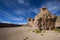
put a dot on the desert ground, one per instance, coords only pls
(26, 33)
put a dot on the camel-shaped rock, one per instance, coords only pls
(44, 20)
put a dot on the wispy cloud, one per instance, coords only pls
(24, 2)
(5, 22)
(35, 10)
(12, 17)
(19, 12)
(21, 1)
(0, 19)
(22, 23)
(52, 6)
(22, 12)
(10, 4)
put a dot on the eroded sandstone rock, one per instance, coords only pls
(31, 22)
(44, 20)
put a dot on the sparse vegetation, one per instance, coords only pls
(57, 29)
(37, 31)
(42, 34)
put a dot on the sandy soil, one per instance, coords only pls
(25, 33)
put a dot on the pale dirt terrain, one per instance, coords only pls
(20, 33)
(58, 22)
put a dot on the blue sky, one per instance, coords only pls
(17, 11)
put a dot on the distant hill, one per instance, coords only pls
(9, 25)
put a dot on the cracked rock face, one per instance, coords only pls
(44, 20)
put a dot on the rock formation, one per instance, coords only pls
(31, 22)
(44, 20)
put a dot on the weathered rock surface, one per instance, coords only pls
(44, 20)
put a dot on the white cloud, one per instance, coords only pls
(9, 3)
(21, 1)
(12, 17)
(5, 22)
(53, 9)
(52, 6)
(6, 13)
(18, 12)
(35, 10)
(22, 23)
(18, 19)
(23, 12)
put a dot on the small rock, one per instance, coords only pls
(26, 37)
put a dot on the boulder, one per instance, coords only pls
(30, 22)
